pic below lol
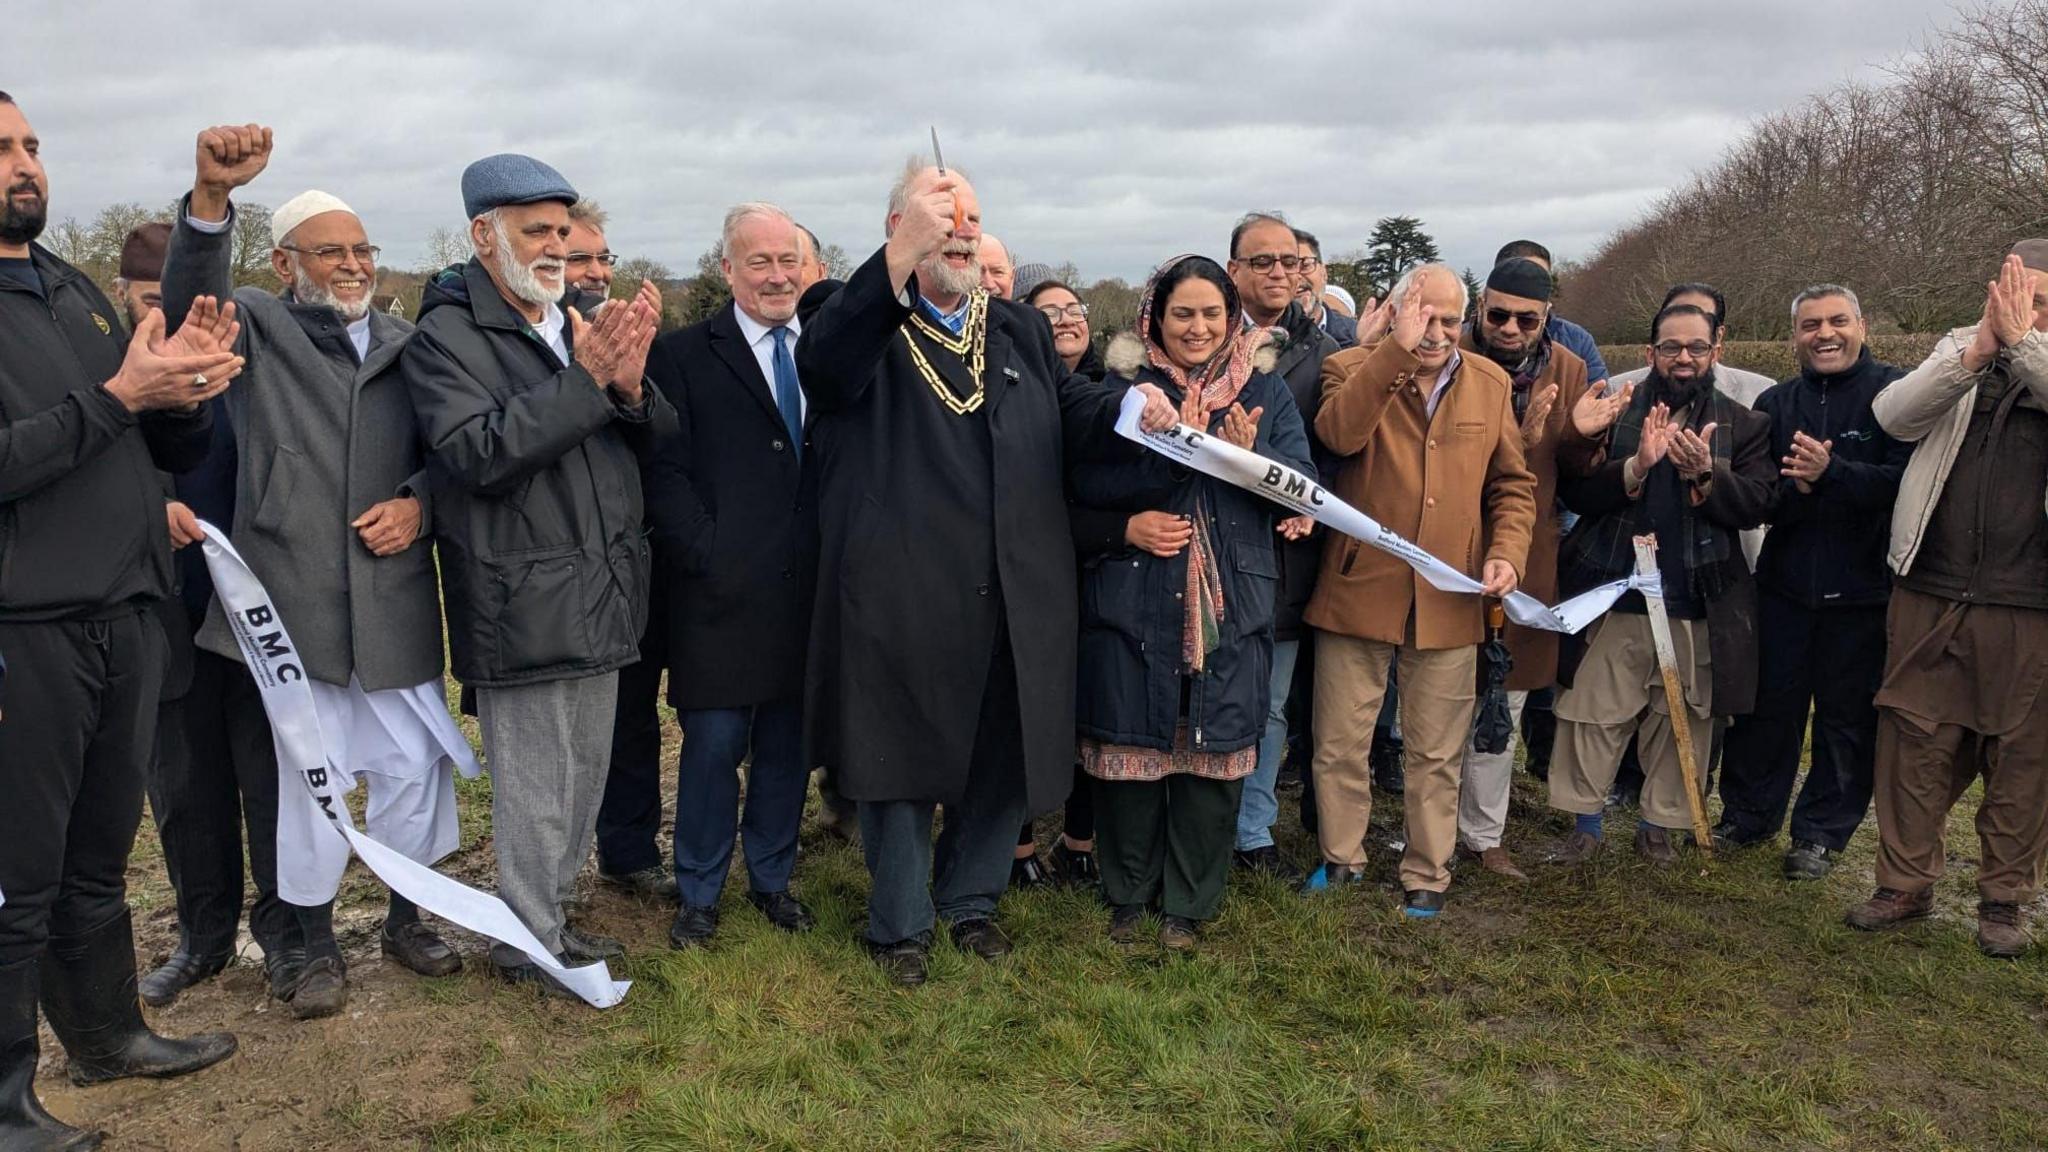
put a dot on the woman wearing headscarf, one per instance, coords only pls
(1177, 624)
(1096, 530)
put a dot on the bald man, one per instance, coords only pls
(998, 271)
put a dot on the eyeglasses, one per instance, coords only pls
(1263, 264)
(1528, 322)
(1670, 350)
(333, 254)
(1054, 313)
(605, 258)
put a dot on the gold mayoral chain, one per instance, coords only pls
(971, 345)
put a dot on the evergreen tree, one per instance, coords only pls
(1397, 244)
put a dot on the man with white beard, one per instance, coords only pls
(537, 421)
(941, 666)
(330, 507)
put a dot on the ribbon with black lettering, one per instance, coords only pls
(302, 755)
(1290, 489)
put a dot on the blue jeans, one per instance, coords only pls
(1259, 808)
(715, 740)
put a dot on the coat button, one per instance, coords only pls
(981, 590)
(1429, 502)
(1432, 445)
(788, 575)
(778, 445)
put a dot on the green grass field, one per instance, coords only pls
(1614, 1008)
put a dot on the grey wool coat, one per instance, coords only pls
(319, 438)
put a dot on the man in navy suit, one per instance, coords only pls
(731, 502)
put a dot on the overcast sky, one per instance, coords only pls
(1109, 132)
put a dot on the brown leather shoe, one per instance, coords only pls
(1498, 861)
(1890, 908)
(1654, 845)
(2001, 930)
(1579, 847)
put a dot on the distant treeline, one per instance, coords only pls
(1907, 192)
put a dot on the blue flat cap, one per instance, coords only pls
(509, 178)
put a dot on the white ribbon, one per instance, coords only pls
(302, 754)
(1290, 489)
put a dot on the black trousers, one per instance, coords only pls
(1830, 660)
(629, 816)
(1079, 813)
(215, 778)
(75, 742)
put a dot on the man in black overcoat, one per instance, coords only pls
(732, 504)
(941, 665)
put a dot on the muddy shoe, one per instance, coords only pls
(1809, 861)
(2001, 930)
(184, 969)
(321, 989)
(1123, 922)
(1499, 861)
(1890, 908)
(1654, 845)
(417, 947)
(1579, 848)
(1178, 934)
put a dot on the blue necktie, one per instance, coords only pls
(787, 397)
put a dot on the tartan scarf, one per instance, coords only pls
(1216, 383)
(1604, 549)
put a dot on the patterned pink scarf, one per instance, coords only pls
(1217, 382)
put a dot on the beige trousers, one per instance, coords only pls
(1436, 723)
(1619, 692)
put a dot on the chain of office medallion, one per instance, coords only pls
(972, 344)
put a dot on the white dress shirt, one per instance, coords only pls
(761, 341)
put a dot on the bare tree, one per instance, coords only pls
(445, 246)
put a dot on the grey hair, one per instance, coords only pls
(586, 211)
(739, 214)
(899, 192)
(1407, 279)
(1822, 292)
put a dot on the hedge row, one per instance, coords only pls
(1774, 358)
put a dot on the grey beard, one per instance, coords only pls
(524, 283)
(943, 279)
(309, 292)
(520, 278)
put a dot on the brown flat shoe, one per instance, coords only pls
(1890, 908)
(1498, 861)
(2001, 930)
(1579, 848)
(1654, 845)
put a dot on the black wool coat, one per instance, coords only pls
(934, 529)
(733, 508)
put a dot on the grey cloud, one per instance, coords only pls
(1109, 134)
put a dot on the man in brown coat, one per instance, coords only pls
(1432, 450)
(1547, 383)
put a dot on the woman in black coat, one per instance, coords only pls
(1095, 530)
(1177, 632)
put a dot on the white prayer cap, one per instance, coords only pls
(298, 210)
(1338, 291)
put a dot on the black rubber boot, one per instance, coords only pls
(89, 997)
(24, 1126)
